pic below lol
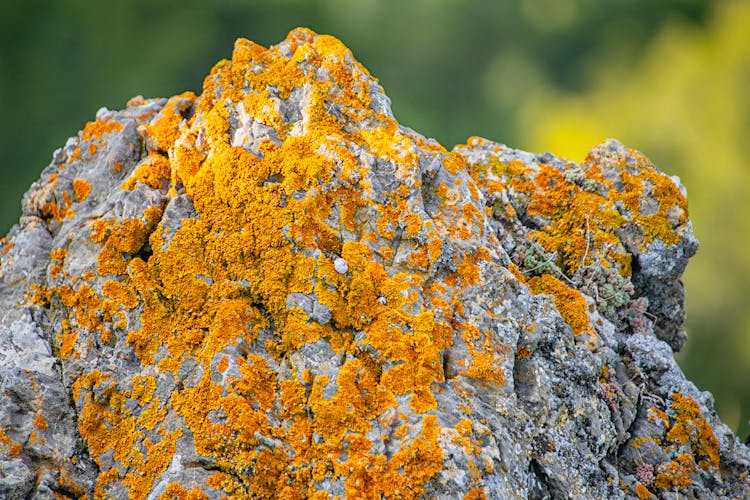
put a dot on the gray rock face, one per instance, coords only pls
(275, 290)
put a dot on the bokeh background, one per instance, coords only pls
(670, 78)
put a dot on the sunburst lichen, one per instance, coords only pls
(687, 439)
(569, 301)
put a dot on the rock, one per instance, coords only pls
(275, 290)
(340, 265)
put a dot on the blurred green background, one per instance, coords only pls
(670, 78)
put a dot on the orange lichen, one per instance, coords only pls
(176, 491)
(59, 209)
(143, 389)
(40, 422)
(153, 172)
(86, 307)
(128, 237)
(643, 492)
(105, 423)
(6, 245)
(120, 293)
(81, 189)
(11, 448)
(485, 361)
(688, 438)
(5, 440)
(57, 256)
(524, 353)
(660, 223)
(655, 414)
(165, 130)
(582, 222)
(675, 474)
(238, 237)
(475, 494)
(517, 272)
(569, 302)
(100, 127)
(75, 154)
(67, 342)
(100, 229)
(581, 207)
(689, 427)
(69, 485)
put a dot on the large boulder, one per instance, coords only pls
(273, 289)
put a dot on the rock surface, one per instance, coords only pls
(275, 290)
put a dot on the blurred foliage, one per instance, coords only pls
(669, 78)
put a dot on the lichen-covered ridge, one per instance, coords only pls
(274, 290)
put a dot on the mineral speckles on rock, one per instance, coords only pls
(273, 289)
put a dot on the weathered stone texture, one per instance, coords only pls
(275, 290)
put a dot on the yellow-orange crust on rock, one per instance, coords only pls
(292, 247)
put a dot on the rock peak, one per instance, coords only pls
(273, 289)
